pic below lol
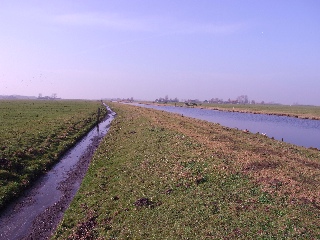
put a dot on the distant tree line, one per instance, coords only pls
(166, 100)
(52, 97)
(242, 99)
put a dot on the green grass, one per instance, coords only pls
(34, 134)
(295, 111)
(300, 111)
(163, 176)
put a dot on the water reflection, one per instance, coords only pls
(302, 132)
(48, 190)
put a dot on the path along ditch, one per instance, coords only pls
(301, 132)
(36, 214)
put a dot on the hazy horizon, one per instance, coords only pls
(268, 50)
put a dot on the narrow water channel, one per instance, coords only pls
(301, 132)
(36, 214)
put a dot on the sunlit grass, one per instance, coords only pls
(34, 134)
(163, 176)
(299, 111)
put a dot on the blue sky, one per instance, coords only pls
(268, 50)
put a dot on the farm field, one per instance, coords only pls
(34, 134)
(299, 111)
(158, 175)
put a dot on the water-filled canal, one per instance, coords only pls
(302, 132)
(27, 218)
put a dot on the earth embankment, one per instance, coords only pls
(164, 176)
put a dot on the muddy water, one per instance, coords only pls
(36, 214)
(301, 132)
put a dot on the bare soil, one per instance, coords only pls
(45, 223)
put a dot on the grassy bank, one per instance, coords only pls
(298, 111)
(34, 134)
(158, 175)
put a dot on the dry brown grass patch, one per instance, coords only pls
(277, 166)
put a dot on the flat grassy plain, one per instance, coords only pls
(298, 111)
(34, 134)
(158, 175)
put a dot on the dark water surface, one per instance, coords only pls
(301, 132)
(17, 220)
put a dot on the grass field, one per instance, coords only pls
(158, 175)
(34, 134)
(299, 111)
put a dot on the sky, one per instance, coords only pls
(147, 49)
